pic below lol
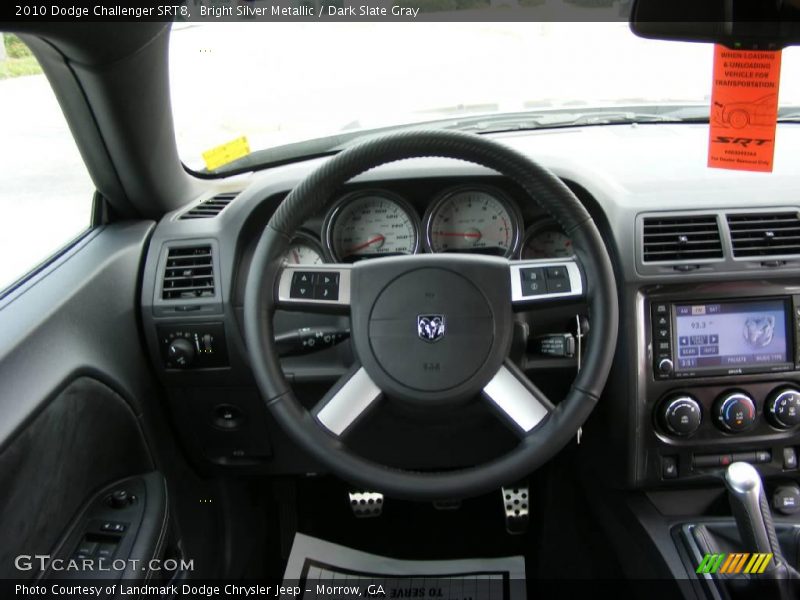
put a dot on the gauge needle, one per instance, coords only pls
(466, 234)
(374, 240)
(296, 256)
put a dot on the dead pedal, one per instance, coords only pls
(366, 504)
(516, 504)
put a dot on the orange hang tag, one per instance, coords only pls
(744, 109)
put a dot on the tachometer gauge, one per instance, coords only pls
(370, 224)
(473, 219)
(546, 239)
(303, 250)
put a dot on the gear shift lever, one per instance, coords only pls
(754, 521)
(750, 508)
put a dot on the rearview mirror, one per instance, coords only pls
(739, 24)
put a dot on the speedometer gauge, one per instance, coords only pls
(473, 219)
(370, 224)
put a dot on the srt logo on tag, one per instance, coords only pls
(742, 141)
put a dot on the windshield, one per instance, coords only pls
(282, 83)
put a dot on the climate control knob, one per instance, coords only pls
(783, 408)
(735, 412)
(181, 352)
(681, 415)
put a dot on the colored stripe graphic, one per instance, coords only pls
(734, 563)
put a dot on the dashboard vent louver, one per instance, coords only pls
(681, 238)
(764, 234)
(209, 208)
(189, 274)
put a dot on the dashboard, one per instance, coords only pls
(707, 264)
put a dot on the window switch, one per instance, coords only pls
(106, 551)
(86, 549)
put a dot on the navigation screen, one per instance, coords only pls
(730, 335)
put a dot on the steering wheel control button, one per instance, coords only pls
(302, 285)
(326, 292)
(545, 280)
(533, 274)
(553, 273)
(783, 409)
(682, 415)
(735, 412)
(533, 281)
(557, 286)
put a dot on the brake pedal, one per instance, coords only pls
(366, 504)
(516, 503)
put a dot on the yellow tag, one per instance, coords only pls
(222, 155)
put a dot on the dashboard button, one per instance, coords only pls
(660, 309)
(665, 366)
(786, 499)
(763, 456)
(749, 457)
(669, 467)
(789, 458)
(702, 461)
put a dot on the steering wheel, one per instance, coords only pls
(432, 329)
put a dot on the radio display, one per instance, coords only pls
(731, 335)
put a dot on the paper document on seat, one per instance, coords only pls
(320, 570)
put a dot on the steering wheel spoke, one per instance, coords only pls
(347, 401)
(546, 280)
(323, 288)
(517, 400)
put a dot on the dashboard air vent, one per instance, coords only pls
(189, 273)
(764, 234)
(681, 238)
(209, 208)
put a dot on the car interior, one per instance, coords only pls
(427, 342)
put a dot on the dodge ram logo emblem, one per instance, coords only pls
(430, 327)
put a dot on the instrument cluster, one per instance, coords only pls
(473, 218)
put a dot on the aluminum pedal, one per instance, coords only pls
(366, 504)
(516, 503)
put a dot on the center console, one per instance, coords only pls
(718, 380)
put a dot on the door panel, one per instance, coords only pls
(74, 377)
(86, 437)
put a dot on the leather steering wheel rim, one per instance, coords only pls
(311, 196)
